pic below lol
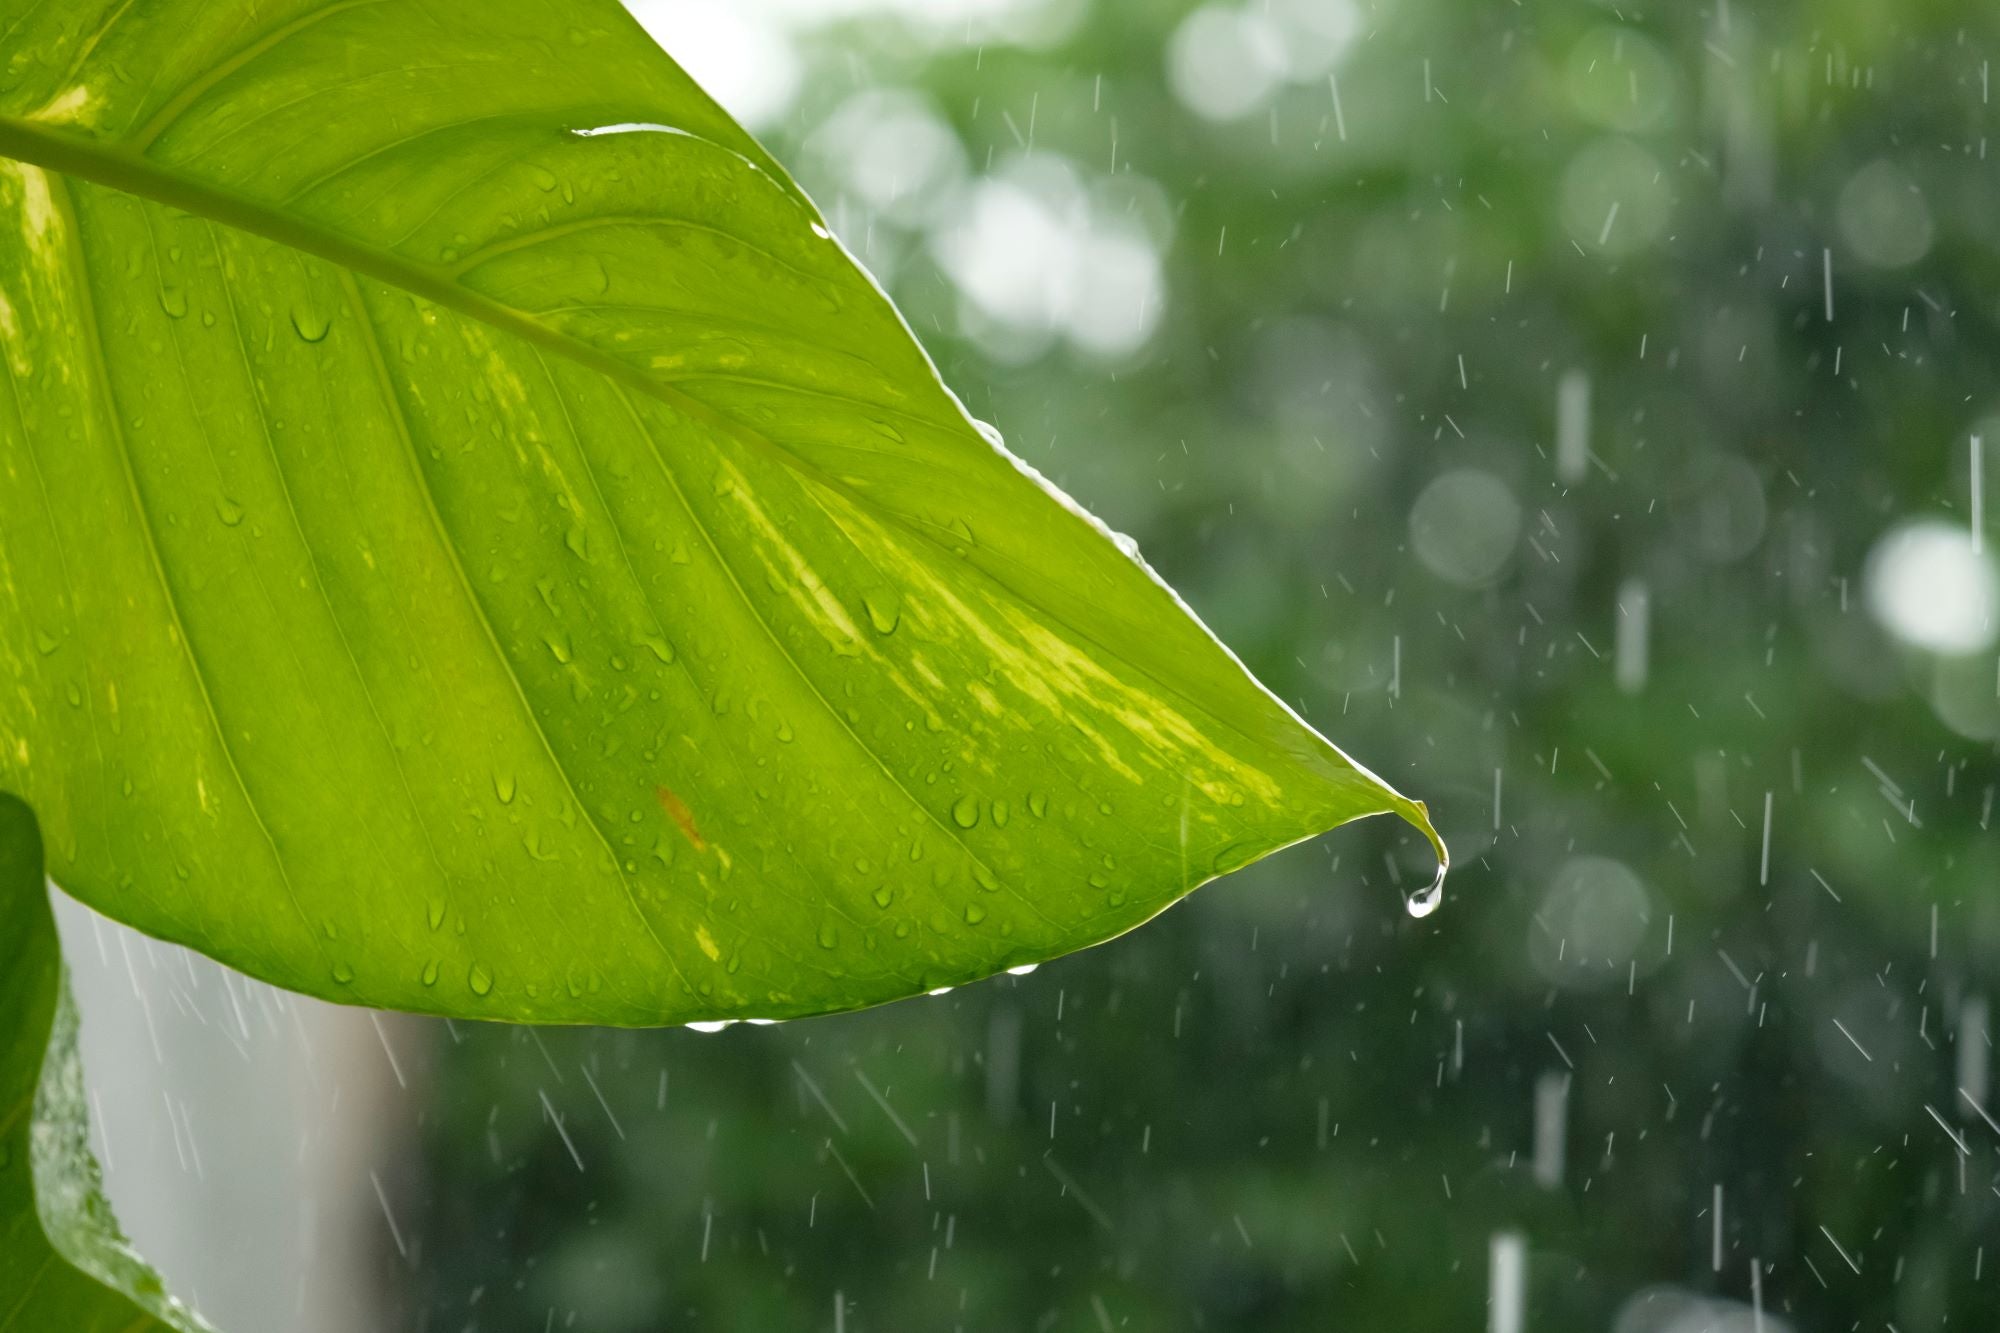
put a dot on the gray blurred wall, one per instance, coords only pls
(243, 1131)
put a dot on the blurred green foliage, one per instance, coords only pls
(1285, 1105)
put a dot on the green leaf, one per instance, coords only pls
(472, 542)
(53, 1267)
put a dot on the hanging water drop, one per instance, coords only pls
(1425, 900)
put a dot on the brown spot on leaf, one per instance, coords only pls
(677, 810)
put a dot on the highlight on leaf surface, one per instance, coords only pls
(473, 543)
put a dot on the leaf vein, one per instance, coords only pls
(393, 402)
(59, 191)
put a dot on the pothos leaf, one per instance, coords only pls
(473, 543)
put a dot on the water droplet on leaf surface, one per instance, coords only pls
(310, 324)
(885, 611)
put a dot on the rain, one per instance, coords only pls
(1585, 414)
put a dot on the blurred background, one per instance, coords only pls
(1582, 414)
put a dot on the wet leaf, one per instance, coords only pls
(513, 579)
(472, 542)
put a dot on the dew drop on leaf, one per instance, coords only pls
(480, 979)
(885, 611)
(310, 324)
(966, 813)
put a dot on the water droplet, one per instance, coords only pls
(343, 973)
(829, 936)
(708, 1026)
(310, 324)
(480, 980)
(174, 301)
(884, 895)
(578, 542)
(46, 643)
(1425, 901)
(966, 813)
(1000, 814)
(434, 913)
(660, 648)
(228, 511)
(544, 178)
(431, 972)
(974, 914)
(1023, 970)
(503, 787)
(559, 645)
(885, 611)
